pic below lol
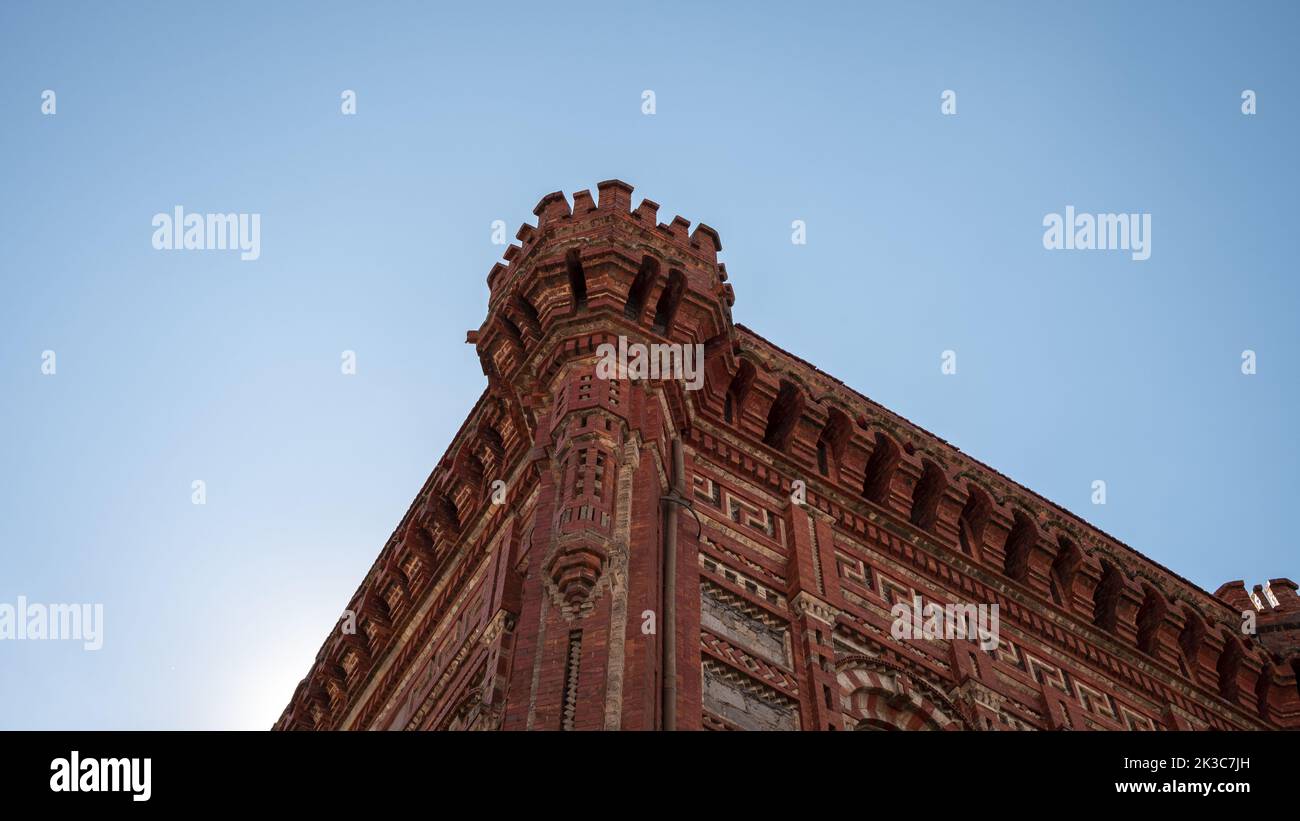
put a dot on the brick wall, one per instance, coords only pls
(526, 586)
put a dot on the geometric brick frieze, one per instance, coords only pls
(745, 703)
(745, 625)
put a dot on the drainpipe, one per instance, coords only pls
(676, 496)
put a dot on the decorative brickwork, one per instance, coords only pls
(541, 603)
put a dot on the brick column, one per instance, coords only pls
(690, 695)
(815, 601)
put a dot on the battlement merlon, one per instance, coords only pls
(554, 212)
(587, 262)
(1278, 597)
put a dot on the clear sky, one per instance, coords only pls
(925, 234)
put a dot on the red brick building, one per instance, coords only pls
(624, 553)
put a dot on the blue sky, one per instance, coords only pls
(924, 235)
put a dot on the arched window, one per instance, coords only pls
(1105, 599)
(878, 699)
(1067, 561)
(1150, 615)
(880, 469)
(666, 308)
(1262, 686)
(640, 290)
(445, 513)
(1228, 667)
(974, 517)
(783, 416)
(739, 389)
(834, 438)
(577, 279)
(1019, 544)
(926, 497)
(1190, 639)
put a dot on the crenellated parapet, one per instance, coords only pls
(590, 262)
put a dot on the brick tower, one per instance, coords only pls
(600, 551)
